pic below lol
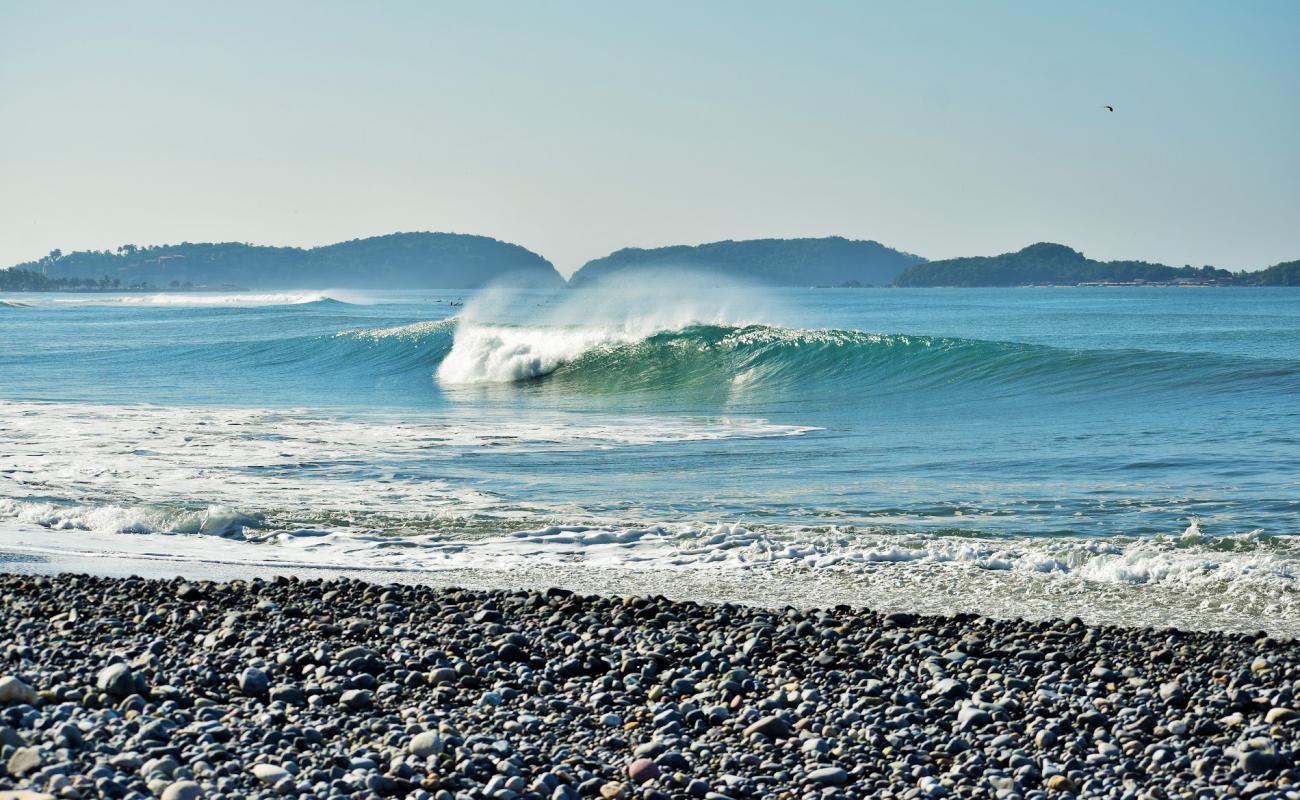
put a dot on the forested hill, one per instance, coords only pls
(1284, 274)
(831, 261)
(1055, 264)
(395, 261)
(459, 261)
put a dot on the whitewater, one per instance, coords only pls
(1124, 455)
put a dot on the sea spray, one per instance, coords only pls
(504, 335)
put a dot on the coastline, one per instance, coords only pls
(309, 687)
(1157, 595)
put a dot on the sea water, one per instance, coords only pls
(1123, 454)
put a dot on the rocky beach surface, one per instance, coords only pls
(113, 687)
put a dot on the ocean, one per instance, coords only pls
(1126, 455)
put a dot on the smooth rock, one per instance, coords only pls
(773, 727)
(642, 770)
(183, 790)
(14, 692)
(426, 744)
(289, 695)
(357, 699)
(269, 774)
(10, 737)
(254, 682)
(973, 717)
(1258, 760)
(24, 760)
(828, 776)
(1060, 783)
(1279, 714)
(116, 680)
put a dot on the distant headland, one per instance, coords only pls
(461, 261)
(395, 261)
(829, 261)
(1047, 264)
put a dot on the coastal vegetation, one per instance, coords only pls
(1284, 274)
(830, 261)
(448, 260)
(26, 280)
(1053, 264)
(399, 260)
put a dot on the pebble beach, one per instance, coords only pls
(135, 688)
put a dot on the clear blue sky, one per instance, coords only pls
(941, 128)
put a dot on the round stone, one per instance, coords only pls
(183, 790)
(14, 692)
(642, 770)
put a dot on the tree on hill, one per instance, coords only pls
(1048, 263)
(829, 261)
(403, 260)
(1284, 274)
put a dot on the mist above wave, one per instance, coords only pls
(664, 330)
(503, 335)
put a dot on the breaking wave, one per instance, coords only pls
(770, 357)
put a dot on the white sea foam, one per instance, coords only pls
(492, 346)
(115, 467)
(502, 354)
(344, 493)
(112, 518)
(1153, 581)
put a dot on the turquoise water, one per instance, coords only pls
(1055, 440)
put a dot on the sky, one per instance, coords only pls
(576, 128)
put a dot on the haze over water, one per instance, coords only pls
(1122, 454)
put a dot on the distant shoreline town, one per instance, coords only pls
(451, 260)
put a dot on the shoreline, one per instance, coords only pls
(306, 687)
(937, 588)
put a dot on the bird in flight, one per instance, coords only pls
(1109, 108)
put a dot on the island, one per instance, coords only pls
(461, 261)
(829, 261)
(1049, 264)
(394, 261)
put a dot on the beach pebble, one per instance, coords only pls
(254, 682)
(357, 699)
(425, 744)
(24, 760)
(183, 790)
(10, 737)
(829, 776)
(642, 770)
(973, 717)
(1060, 783)
(343, 688)
(116, 680)
(14, 692)
(1279, 714)
(269, 774)
(289, 695)
(771, 726)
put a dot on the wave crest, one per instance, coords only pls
(756, 357)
